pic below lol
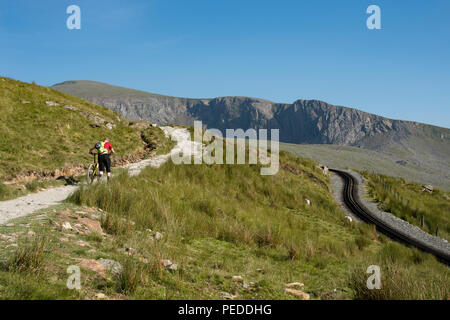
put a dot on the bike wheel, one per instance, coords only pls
(90, 174)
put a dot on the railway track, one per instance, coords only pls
(350, 196)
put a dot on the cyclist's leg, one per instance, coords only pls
(101, 164)
(108, 166)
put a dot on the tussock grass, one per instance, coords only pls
(29, 257)
(208, 201)
(401, 278)
(130, 277)
(221, 220)
(407, 201)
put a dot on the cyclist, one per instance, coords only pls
(104, 149)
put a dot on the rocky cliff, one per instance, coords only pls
(302, 122)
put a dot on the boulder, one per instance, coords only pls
(51, 103)
(172, 267)
(298, 293)
(66, 226)
(95, 266)
(98, 120)
(168, 265)
(115, 267)
(92, 225)
(100, 296)
(69, 107)
(110, 126)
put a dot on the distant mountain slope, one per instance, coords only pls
(302, 122)
(430, 171)
(132, 104)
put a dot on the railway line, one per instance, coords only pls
(351, 200)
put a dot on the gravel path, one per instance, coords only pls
(184, 146)
(399, 225)
(30, 203)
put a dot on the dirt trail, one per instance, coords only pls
(184, 146)
(30, 203)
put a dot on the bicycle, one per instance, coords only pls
(92, 172)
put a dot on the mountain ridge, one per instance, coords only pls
(417, 146)
(303, 121)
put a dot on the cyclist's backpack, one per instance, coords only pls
(98, 145)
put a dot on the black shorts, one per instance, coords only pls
(104, 162)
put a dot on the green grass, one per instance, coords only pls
(401, 276)
(217, 221)
(407, 201)
(41, 142)
(220, 221)
(38, 138)
(156, 140)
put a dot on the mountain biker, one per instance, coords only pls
(104, 149)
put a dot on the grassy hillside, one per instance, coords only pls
(231, 232)
(396, 162)
(44, 131)
(36, 136)
(407, 201)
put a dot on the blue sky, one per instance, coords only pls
(277, 50)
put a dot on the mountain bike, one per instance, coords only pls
(92, 172)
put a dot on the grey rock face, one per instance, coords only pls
(303, 122)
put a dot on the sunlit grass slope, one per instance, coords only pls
(409, 201)
(37, 136)
(221, 221)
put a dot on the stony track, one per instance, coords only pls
(30, 203)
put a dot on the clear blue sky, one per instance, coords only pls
(277, 50)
